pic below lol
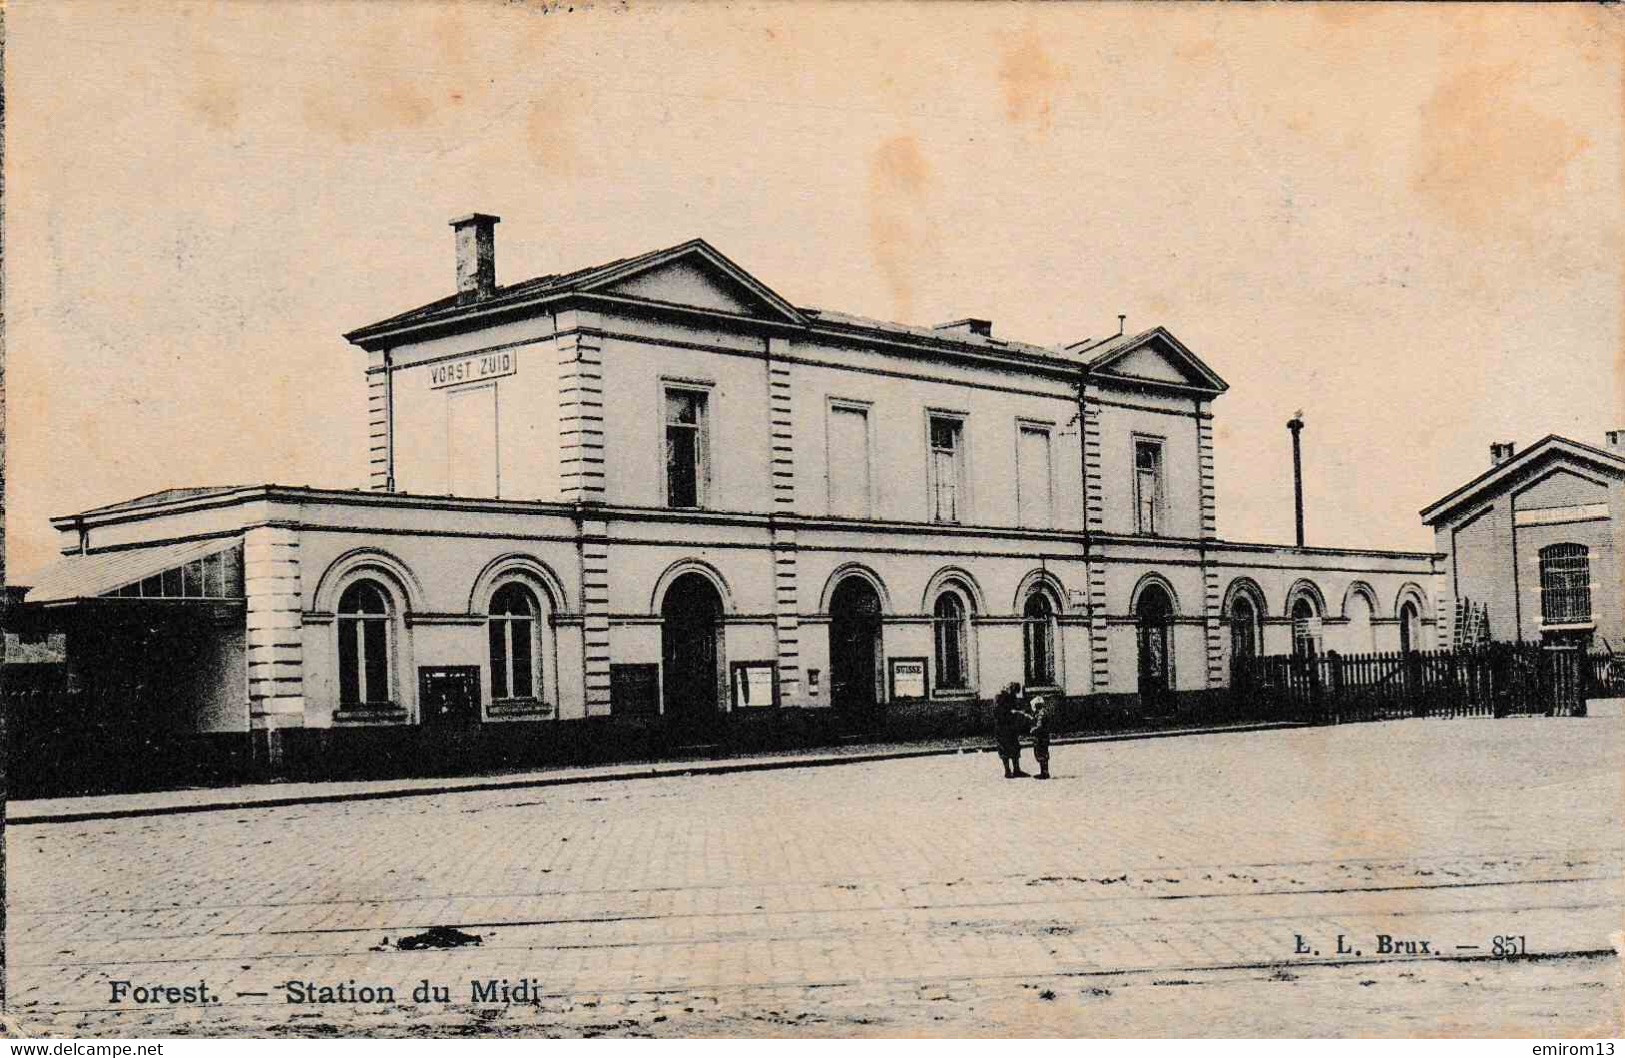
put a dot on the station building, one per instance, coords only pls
(657, 489)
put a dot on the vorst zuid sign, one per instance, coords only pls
(476, 368)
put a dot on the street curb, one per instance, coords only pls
(669, 771)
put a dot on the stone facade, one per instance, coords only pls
(695, 483)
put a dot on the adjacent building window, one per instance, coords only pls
(1565, 584)
(848, 460)
(1147, 486)
(947, 484)
(948, 623)
(1034, 477)
(687, 442)
(515, 659)
(363, 623)
(1038, 640)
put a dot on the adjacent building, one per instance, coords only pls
(657, 488)
(1533, 543)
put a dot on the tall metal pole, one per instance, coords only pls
(1295, 424)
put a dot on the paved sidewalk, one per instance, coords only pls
(1156, 887)
(272, 795)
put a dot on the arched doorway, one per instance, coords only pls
(1155, 622)
(1410, 627)
(1243, 629)
(1305, 628)
(690, 631)
(854, 647)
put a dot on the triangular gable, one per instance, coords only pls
(1158, 358)
(1550, 451)
(696, 275)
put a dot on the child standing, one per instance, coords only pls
(1040, 733)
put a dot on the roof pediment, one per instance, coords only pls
(1154, 358)
(694, 275)
(1538, 459)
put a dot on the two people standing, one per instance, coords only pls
(1010, 722)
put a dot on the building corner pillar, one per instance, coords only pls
(786, 594)
(581, 407)
(274, 639)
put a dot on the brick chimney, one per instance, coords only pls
(1501, 451)
(476, 256)
(1615, 442)
(982, 328)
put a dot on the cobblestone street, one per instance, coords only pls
(1183, 886)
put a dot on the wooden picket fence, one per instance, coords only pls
(1495, 679)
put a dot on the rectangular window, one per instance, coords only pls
(471, 429)
(947, 470)
(848, 456)
(1034, 480)
(687, 460)
(1147, 486)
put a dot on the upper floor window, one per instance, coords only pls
(848, 459)
(363, 624)
(1034, 477)
(1147, 486)
(947, 484)
(1565, 584)
(513, 629)
(688, 461)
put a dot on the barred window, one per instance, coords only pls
(1565, 584)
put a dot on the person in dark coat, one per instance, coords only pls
(1008, 723)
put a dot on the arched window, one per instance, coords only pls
(1243, 628)
(516, 661)
(1410, 627)
(1038, 640)
(1565, 584)
(1305, 628)
(363, 623)
(948, 622)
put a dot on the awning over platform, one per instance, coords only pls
(194, 569)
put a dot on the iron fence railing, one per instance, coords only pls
(1496, 679)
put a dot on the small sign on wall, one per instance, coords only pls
(755, 683)
(908, 682)
(634, 690)
(480, 367)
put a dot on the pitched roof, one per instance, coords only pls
(1109, 351)
(582, 280)
(453, 309)
(885, 328)
(152, 499)
(1550, 445)
(89, 576)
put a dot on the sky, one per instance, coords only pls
(1404, 221)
